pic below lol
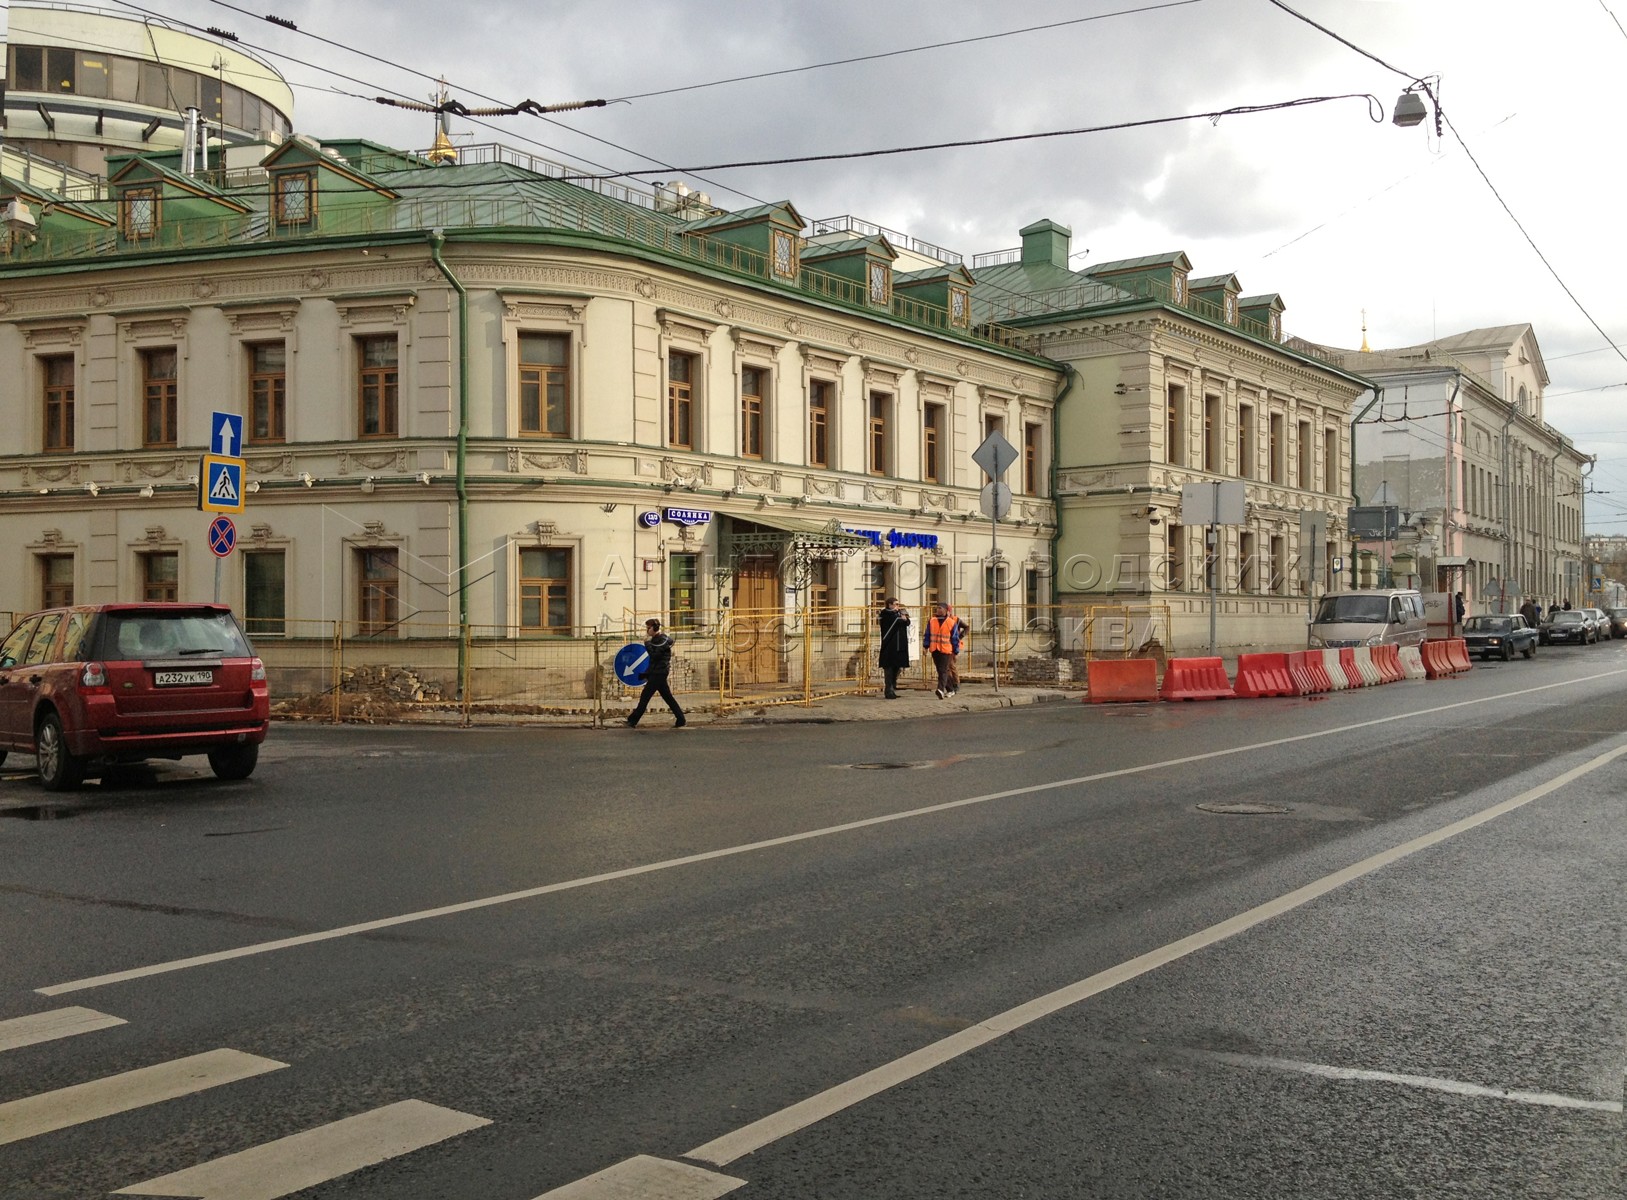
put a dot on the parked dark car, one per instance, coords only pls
(1571, 625)
(1601, 622)
(93, 686)
(1618, 621)
(1499, 637)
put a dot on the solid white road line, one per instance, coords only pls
(315, 1156)
(48, 1026)
(731, 1146)
(646, 1178)
(1432, 1083)
(182, 964)
(69, 1106)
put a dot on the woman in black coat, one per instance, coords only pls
(895, 645)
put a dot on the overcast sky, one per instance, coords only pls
(1336, 212)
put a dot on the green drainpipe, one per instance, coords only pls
(437, 238)
(1056, 449)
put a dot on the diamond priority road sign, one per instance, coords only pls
(995, 455)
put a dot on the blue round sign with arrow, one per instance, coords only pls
(632, 661)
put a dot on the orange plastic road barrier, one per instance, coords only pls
(1121, 680)
(1299, 670)
(1388, 661)
(1316, 663)
(1196, 679)
(1347, 664)
(1435, 664)
(1460, 654)
(1263, 675)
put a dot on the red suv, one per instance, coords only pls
(92, 686)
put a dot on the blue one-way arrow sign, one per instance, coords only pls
(225, 434)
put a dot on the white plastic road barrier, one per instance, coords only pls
(1412, 663)
(1335, 670)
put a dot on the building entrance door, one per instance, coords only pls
(758, 625)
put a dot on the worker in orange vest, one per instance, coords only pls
(942, 641)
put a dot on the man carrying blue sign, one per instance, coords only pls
(659, 646)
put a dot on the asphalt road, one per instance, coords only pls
(1012, 954)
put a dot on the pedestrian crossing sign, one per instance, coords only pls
(220, 484)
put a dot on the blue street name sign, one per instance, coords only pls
(632, 660)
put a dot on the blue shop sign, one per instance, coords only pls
(897, 540)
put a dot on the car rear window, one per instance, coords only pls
(134, 635)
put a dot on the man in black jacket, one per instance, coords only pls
(895, 646)
(659, 646)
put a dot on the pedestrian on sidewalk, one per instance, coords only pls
(659, 646)
(942, 641)
(895, 645)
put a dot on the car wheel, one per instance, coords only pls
(1531, 650)
(234, 762)
(1508, 652)
(60, 771)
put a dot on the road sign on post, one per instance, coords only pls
(995, 500)
(632, 661)
(225, 434)
(995, 455)
(222, 536)
(220, 484)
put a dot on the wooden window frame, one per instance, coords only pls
(268, 395)
(543, 378)
(753, 420)
(280, 201)
(264, 626)
(153, 588)
(380, 386)
(878, 433)
(57, 404)
(55, 594)
(932, 442)
(160, 398)
(1033, 457)
(681, 400)
(544, 590)
(1175, 424)
(135, 201)
(821, 393)
(378, 595)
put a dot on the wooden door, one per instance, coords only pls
(755, 643)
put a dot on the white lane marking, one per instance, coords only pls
(790, 839)
(48, 1026)
(99, 1098)
(749, 1138)
(646, 1178)
(315, 1156)
(1432, 1083)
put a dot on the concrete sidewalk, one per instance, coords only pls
(911, 702)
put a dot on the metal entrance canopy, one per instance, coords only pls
(796, 544)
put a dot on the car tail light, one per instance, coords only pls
(257, 671)
(93, 678)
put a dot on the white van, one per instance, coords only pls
(1382, 617)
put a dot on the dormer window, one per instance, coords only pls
(881, 291)
(960, 308)
(140, 212)
(293, 198)
(785, 255)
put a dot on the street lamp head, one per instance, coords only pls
(1409, 110)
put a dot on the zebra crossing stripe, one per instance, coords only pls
(65, 1107)
(315, 1156)
(48, 1026)
(649, 1179)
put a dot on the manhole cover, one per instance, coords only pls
(37, 812)
(1244, 809)
(883, 766)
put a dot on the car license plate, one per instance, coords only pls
(182, 678)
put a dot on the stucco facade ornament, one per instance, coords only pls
(100, 297)
(884, 495)
(812, 486)
(315, 281)
(204, 289)
(963, 368)
(854, 340)
(394, 459)
(6, 306)
(576, 462)
(944, 500)
(645, 287)
(759, 479)
(695, 476)
(793, 326)
(270, 464)
(723, 309)
(64, 473)
(912, 356)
